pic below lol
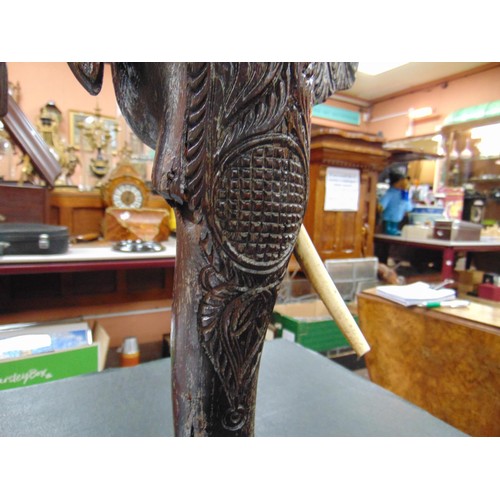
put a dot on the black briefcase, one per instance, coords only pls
(18, 238)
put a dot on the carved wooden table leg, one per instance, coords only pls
(232, 156)
(250, 124)
(219, 323)
(235, 236)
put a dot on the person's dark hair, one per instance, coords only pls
(395, 177)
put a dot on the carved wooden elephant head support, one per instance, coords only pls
(232, 157)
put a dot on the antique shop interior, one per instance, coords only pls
(403, 210)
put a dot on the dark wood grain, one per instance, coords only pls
(4, 89)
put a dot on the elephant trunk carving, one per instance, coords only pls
(232, 157)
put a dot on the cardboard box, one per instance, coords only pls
(457, 230)
(464, 289)
(470, 277)
(309, 324)
(416, 232)
(41, 368)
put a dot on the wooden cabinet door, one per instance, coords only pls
(344, 234)
(339, 234)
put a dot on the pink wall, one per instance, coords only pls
(467, 91)
(41, 82)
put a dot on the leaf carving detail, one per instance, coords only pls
(232, 337)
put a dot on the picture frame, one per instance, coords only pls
(78, 117)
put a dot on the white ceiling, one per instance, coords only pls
(369, 88)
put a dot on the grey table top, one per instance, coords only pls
(300, 393)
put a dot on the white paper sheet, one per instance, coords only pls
(341, 189)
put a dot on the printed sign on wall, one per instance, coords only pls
(342, 189)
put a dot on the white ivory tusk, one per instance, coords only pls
(313, 267)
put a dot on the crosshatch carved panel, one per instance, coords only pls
(259, 205)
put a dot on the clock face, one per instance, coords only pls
(127, 196)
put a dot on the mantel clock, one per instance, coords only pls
(125, 189)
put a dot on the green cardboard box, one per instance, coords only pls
(37, 369)
(309, 324)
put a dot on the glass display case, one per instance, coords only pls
(464, 155)
(472, 161)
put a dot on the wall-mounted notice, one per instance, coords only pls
(341, 189)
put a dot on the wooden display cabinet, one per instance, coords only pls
(82, 212)
(27, 203)
(344, 234)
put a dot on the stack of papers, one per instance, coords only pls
(416, 294)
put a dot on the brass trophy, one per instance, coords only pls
(98, 137)
(48, 125)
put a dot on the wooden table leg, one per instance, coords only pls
(448, 263)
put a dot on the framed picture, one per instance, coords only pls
(77, 119)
